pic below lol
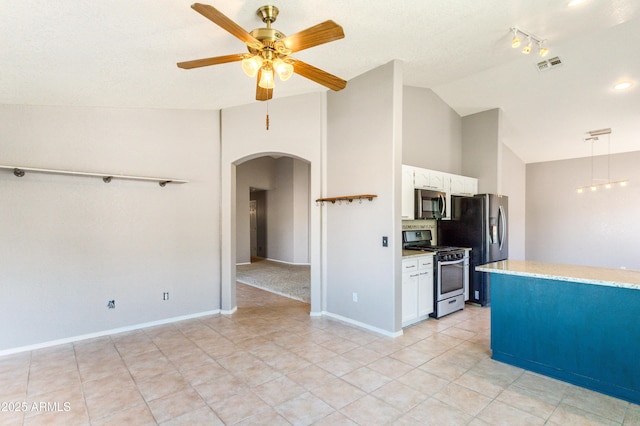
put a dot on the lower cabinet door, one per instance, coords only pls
(425, 293)
(410, 296)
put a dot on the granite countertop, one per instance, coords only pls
(575, 273)
(411, 253)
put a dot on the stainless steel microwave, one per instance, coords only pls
(430, 204)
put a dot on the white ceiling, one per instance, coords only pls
(123, 53)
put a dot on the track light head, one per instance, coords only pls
(516, 40)
(542, 51)
(527, 48)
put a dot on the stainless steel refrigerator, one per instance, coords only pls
(480, 223)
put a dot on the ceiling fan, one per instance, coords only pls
(269, 50)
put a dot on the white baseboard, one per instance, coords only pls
(362, 325)
(243, 263)
(104, 333)
(229, 311)
(288, 263)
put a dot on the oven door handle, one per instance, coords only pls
(452, 262)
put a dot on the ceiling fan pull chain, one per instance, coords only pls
(267, 115)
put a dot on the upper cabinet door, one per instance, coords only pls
(463, 185)
(429, 179)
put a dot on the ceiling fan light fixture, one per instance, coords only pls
(266, 78)
(284, 69)
(251, 65)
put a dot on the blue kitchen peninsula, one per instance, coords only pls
(574, 323)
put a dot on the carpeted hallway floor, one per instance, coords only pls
(287, 280)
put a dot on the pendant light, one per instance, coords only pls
(594, 136)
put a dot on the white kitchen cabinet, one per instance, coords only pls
(410, 277)
(463, 185)
(408, 198)
(425, 286)
(429, 179)
(417, 288)
(419, 178)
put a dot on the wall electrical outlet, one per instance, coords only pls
(111, 304)
(355, 297)
(165, 295)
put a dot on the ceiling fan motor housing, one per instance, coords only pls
(268, 37)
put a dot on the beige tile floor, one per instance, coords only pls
(272, 364)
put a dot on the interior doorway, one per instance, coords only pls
(273, 225)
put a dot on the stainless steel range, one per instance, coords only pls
(450, 271)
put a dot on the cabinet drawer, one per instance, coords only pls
(425, 262)
(410, 265)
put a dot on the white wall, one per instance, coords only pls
(280, 233)
(481, 146)
(513, 184)
(498, 169)
(594, 228)
(364, 155)
(297, 129)
(70, 244)
(301, 206)
(431, 132)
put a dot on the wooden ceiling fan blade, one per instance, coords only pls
(319, 76)
(313, 36)
(197, 63)
(262, 94)
(218, 18)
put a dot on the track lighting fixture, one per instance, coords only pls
(515, 42)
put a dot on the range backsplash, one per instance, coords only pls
(419, 225)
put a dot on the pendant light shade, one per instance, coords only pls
(283, 69)
(251, 65)
(266, 78)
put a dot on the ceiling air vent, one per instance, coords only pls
(549, 63)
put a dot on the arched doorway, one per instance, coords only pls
(272, 225)
(230, 229)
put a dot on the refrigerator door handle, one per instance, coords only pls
(503, 220)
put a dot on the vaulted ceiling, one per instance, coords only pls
(123, 54)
